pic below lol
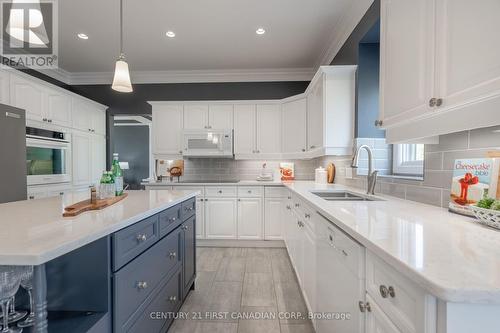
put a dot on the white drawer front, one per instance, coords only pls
(276, 192)
(221, 191)
(201, 189)
(250, 191)
(407, 305)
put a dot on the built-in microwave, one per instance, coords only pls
(48, 156)
(208, 143)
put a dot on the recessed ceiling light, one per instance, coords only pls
(82, 36)
(170, 34)
(260, 31)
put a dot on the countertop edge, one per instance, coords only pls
(64, 248)
(441, 292)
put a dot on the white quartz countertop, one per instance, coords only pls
(237, 183)
(34, 232)
(449, 255)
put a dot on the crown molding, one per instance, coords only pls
(198, 76)
(344, 27)
(57, 73)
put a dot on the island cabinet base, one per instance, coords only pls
(154, 263)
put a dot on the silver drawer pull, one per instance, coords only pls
(172, 255)
(364, 307)
(185, 227)
(392, 292)
(288, 207)
(297, 205)
(142, 284)
(173, 219)
(249, 191)
(141, 238)
(172, 299)
(384, 291)
(307, 216)
(220, 192)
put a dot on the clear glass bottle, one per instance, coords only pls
(117, 175)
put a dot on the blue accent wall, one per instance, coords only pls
(367, 107)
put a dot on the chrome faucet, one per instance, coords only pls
(372, 175)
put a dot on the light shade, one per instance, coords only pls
(121, 81)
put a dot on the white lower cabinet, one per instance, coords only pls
(250, 218)
(339, 279)
(200, 218)
(220, 218)
(275, 215)
(376, 320)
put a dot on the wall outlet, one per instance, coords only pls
(348, 172)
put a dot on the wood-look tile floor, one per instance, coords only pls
(232, 282)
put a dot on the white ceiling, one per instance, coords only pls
(211, 35)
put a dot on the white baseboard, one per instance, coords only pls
(239, 243)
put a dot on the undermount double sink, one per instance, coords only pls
(343, 196)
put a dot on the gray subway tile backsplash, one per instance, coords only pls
(485, 137)
(433, 190)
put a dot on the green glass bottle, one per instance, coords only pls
(117, 175)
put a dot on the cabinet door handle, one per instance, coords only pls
(303, 150)
(44, 119)
(32, 197)
(288, 207)
(49, 120)
(392, 292)
(439, 102)
(172, 299)
(297, 205)
(364, 307)
(173, 219)
(141, 238)
(172, 255)
(185, 227)
(432, 102)
(312, 147)
(220, 192)
(142, 285)
(307, 216)
(384, 291)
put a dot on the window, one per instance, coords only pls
(408, 159)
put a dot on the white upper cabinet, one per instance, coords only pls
(467, 53)
(244, 130)
(88, 117)
(98, 151)
(220, 116)
(406, 58)
(195, 116)
(268, 130)
(204, 116)
(167, 129)
(315, 116)
(28, 95)
(294, 131)
(57, 107)
(439, 61)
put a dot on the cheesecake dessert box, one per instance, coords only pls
(473, 180)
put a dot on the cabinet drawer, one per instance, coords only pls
(167, 300)
(249, 191)
(169, 219)
(128, 243)
(276, 192)
(189, 188)
(188, 208)
(221, 191)
(134, 283)
(405, 303)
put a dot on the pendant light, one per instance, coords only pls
(121, 80)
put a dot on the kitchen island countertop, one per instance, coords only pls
(34, 232)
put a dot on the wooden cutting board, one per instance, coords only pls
(86, 205)
(330, 169)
